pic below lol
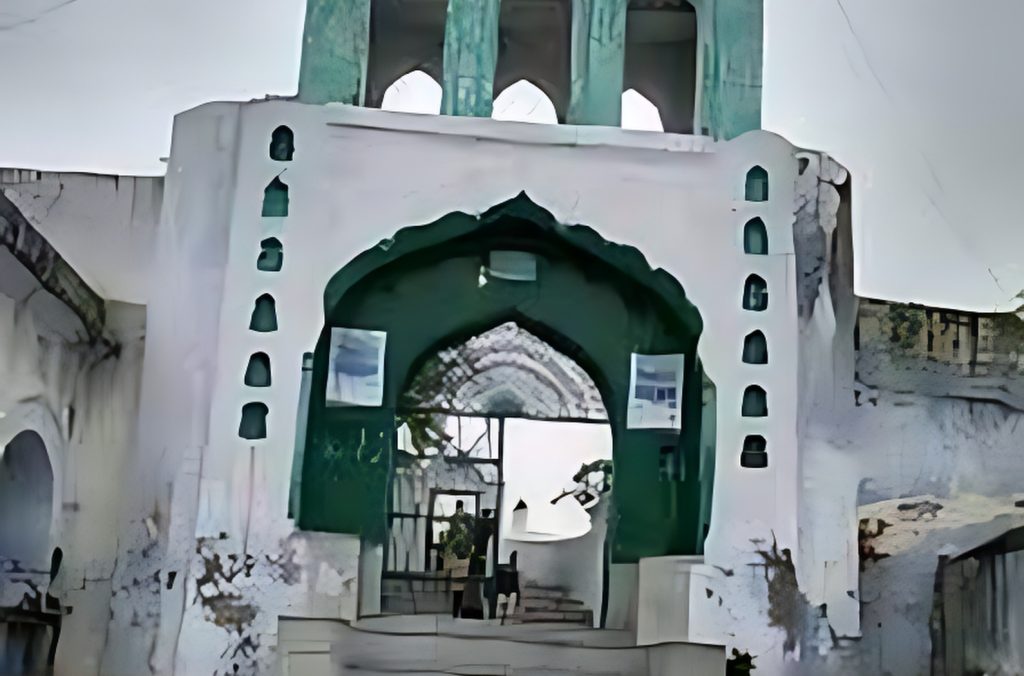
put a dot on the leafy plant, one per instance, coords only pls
(906, 323)
(457, 541)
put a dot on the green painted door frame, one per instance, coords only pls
(594, 301)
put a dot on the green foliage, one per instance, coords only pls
(906, 323)
(1008, 330)
(457, 541)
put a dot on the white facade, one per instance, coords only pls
(203, 560)
(360, 175)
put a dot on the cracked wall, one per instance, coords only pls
(81, 399)
(909, 450)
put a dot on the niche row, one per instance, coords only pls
(755, 299)
(253, 422)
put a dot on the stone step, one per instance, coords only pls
(530, 603)
(542, 593)
(574, 616)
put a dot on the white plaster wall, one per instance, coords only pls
(358, 176)
(45, 376)
(104, 226)
(157, 510)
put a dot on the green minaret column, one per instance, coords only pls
(733, 46)
(598, 55)
(470, 57)
(335, 45)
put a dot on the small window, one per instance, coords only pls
(282, 144)
(264, 315)
(754, 455)
(517, 266)
(257, 373)
(757, 185)
(755, 349)
(755, 294)
(253, 424)
(271, 256)
(275, 198)
(755, 402)
(755, 237)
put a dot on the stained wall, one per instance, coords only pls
(356, 177)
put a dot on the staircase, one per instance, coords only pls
(548, 604)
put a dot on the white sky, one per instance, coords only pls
(923, 100)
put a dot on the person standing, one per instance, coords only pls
(457, 548)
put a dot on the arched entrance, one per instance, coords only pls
(504, 469)
(598, 303)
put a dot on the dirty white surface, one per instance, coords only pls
(660, 193)
(103, 226)
(198, 502)
(45, 377)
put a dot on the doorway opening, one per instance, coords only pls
(504, 456)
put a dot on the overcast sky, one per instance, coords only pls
(923, 100)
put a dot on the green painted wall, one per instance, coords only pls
(335, 47)
(598, 55)
(732, 45)
(594, 301)
(470, 57)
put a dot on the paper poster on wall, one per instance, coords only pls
(655, 391)
(356, 375)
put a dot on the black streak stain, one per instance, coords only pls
(918, 510)
(787, 605)
(866, 541)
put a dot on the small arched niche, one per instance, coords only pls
(271, 256)
(253, 423)
(755, 294)
(257, 372)
(414, 92)
(755, 348)
(755, 237)
(639, 113)
(523, 101)
(26, 500)
(282, 144)
(755, 402)
(756, 188)
(754, 454)
(275, 198)
(264, 315)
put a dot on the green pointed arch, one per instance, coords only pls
(595, 301)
